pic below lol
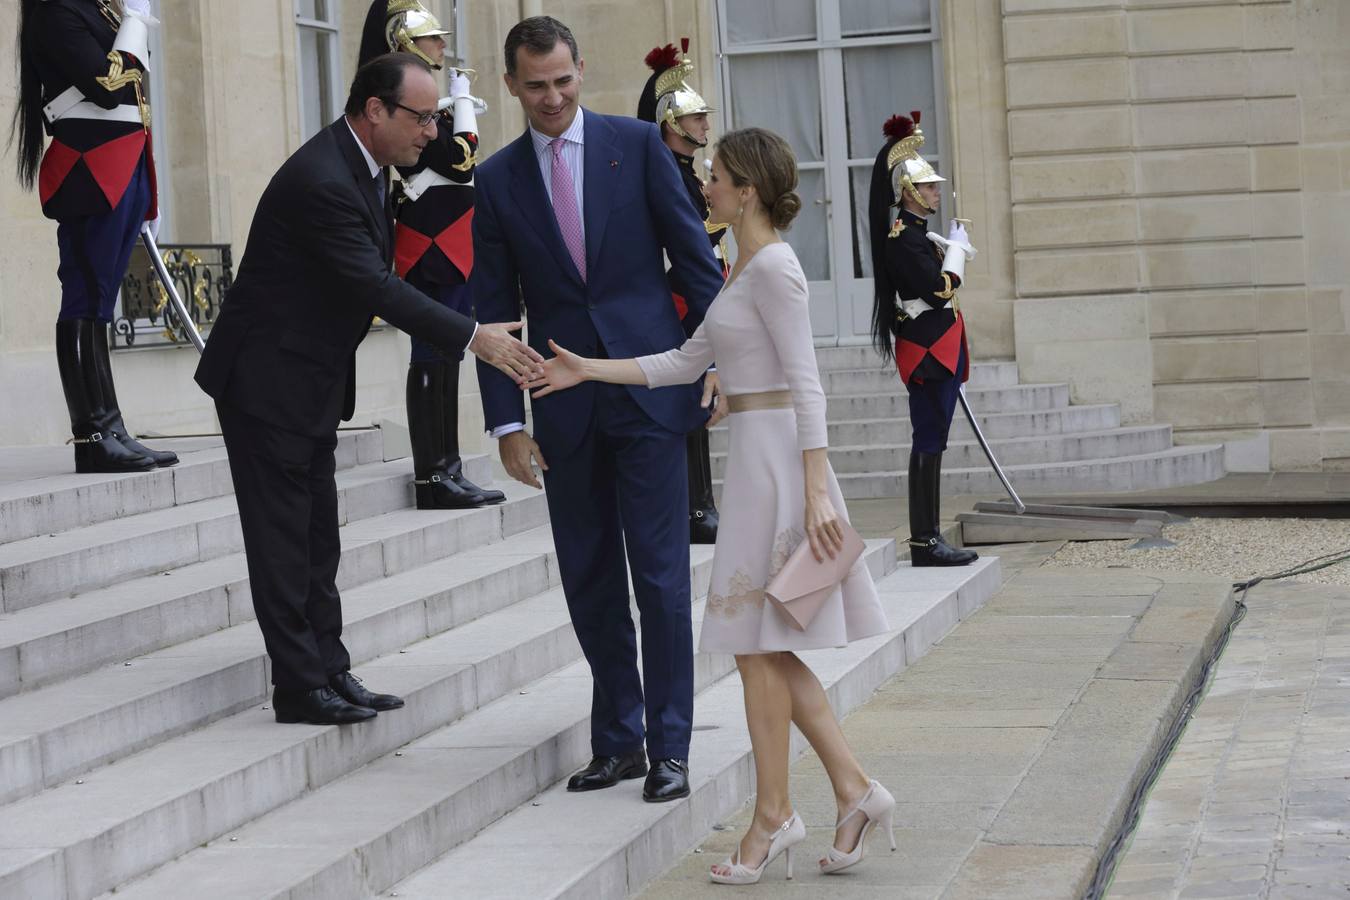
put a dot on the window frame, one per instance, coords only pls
(328, 29)
(849, 295)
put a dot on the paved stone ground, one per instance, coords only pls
(1238, 549)
(1012, 746)
(1256, 800)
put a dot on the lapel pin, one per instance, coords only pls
(613, 163)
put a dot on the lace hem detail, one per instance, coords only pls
(742, 594)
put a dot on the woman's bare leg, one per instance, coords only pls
(768, 712)
(813, 715)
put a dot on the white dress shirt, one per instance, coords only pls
(574, 156)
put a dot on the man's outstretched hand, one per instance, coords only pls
(494, 345)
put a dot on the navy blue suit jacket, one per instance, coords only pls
(634, 206)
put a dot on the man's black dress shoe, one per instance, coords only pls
(607, 771)
(349, 688)
(321, 706)
(668, 780)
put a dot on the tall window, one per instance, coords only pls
(320, 68)
(825, 74)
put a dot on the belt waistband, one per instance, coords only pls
(739, 403)
(127, 112)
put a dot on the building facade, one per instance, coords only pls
(1160, 188)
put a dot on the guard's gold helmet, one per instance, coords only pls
(667, 96)
(906, 166)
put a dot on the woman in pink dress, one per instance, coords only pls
(778, 490)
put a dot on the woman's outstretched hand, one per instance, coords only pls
(563, 371)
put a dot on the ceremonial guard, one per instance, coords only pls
(83, 67)
(433, 251)
(682, 115)
(917, 274)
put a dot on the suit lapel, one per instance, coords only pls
(602, 159)
(356, 164)
(527, 188)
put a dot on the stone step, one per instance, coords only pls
(73, 635)
(1173, 467)
(895, 403)
(434, 794)
(504, 624)
(897, 431)
(46, 567)
(884, 380)
(418, 570)
(43, 497)
(626, 842)
(1130, 441)
(863, 356)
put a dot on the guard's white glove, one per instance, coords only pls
(140, 9)
(957, 233)
(479, 105)
(459, 84)
(949, 244)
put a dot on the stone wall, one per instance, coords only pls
(1160, 190)
(1179, 206)
(232, 114)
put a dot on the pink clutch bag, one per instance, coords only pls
(803, 585)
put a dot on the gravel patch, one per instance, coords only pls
(1231, 548)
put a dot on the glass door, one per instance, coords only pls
(826, 74)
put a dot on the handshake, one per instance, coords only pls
(494, 344)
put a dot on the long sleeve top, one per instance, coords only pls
(759, 332)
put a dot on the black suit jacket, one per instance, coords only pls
(316, 269)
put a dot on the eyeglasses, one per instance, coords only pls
(423, 119)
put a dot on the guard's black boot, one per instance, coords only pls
(926, 546)
(437, 487)
(112, 409)
(703, 518)
(937, 512)
(96, 449)
(451, 437)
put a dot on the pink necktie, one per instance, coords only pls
(565, 208)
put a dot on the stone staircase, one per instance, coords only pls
(1045, 445)
(138, 755)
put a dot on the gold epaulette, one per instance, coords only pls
(949, 291)
(898, 227)
(118, 77)
(470, 156)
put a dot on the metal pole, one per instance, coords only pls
(179, 308)
(984, 445)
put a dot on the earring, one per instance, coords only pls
(740, 212)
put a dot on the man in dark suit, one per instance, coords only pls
(573, 217)
(281, 366)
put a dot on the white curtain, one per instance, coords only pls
(864, 17)
(809, 236)
(781, 92)
(878, 83)
(882, 81)
(768, 21)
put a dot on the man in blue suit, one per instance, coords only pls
(572, 217)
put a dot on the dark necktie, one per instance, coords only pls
(379, 187)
